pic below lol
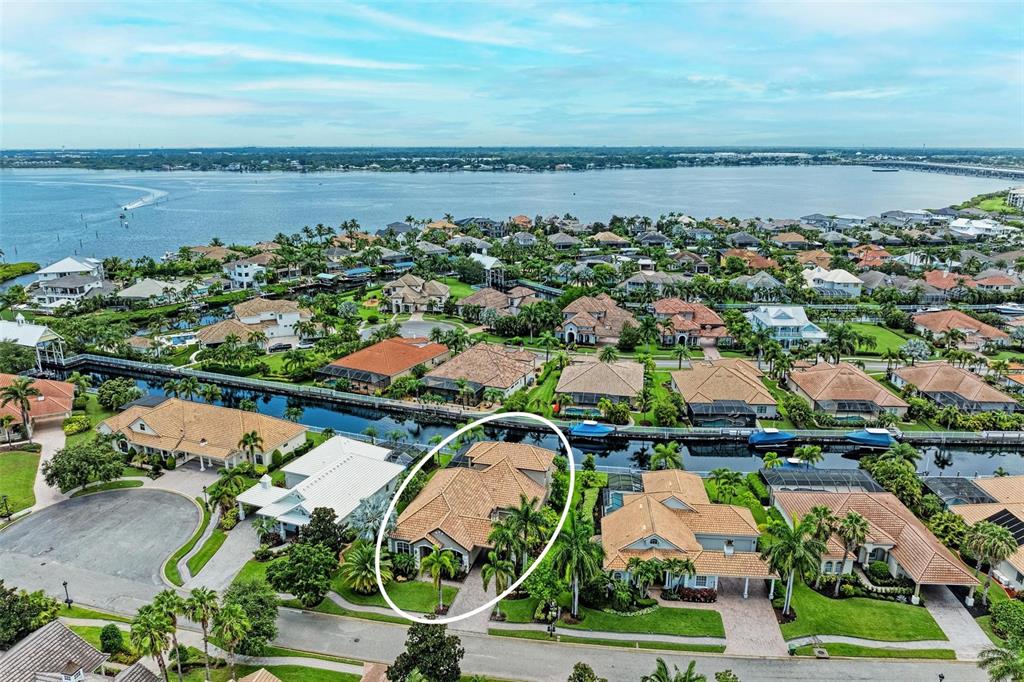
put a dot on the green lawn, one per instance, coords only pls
(330, 608)
(252, 569)
(83, 612)
(660, 393)
(663, 621)
(17, 477)
(542, 395)
(628, 644)
(997, 205)
(197, 561)
(110, 485)
(861, 617)
(415, 596)
(286, 673)
(171, 567)
(96, 414)
(742, 497)
(458, 289)
(91, 634)
(885, 339)
(854, 651)
(298, 653)
(985, 623)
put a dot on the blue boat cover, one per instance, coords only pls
(881, 440)
(594, 430)
(769, 437)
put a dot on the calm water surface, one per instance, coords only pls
(47, 214)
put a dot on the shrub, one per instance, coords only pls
(878, 572)
(80, 403)
(646, 603)
(262, 553)
(698, 595)
(1008, 618)
(757, 487)
(403, 565)
(229, 519)
(373, 318)
(847, 590)
(169, 463)
(276, 459)
(78, 423)
(260, 469)
(111, 639)
(31, 447)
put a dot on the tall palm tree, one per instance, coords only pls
(81, 382)
(999, 544)
(678, 568)
(1003, 663)
(547, 341)
(853, 531)
(201, 607)
(438, 564)
(809, 454)
(771, 460)
(576, 557)
(823, 526)
(505, 540)
(7, 421)
(188, 387)
(681, 353)
(667, 456)
(230, 626)
(608, 354)
(791, 550)
(527, 521)
(170, 604)
(20, 392)
(371, 432)
(151, 635)
(727, 482)
(250, 443)
(500, 570)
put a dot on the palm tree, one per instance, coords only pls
(170, 604)
(81, 382)
(608, 354)
(853, 531)
(150, 635)
(904, 451)
(792, 549)
(493, 395)
(372, 433)
(230, 626)
(500, 570)
(527, 521)
(667, 456)
(823, 525)
(6, 422)
(1003, 663)
(678, 568)
(250, 443)
(211, 393)
(727, 482)
(576, 557)
(681, 353)
(663, 674)
(547, 341)
(20, 392)
(439, 563)
(188, 387)
(358, 570)
(505, 540)
(201, 607)
(998, 546)
(809, 454)
(771, 460)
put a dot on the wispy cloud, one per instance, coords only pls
(259, 54)
(502, 35)
(369, 88)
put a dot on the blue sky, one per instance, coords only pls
(511, 73)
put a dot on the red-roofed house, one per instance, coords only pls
(53, 405)
(688, 323)
(375, 367)
(978, 334)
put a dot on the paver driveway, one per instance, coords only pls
(109, 546)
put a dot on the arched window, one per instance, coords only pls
(828, 567)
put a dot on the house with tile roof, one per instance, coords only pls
(945, 384)
(458, 506)
(725, 393)
(592, 320)
(895, 536)
(54, 405)
(791, 240)
(274, 318)
(673, 518)
(248, 273)
(340, 474)
(184, 430)
(563, 242)
(611, 240)
(482, 366)
(752, 259)
(653, 279)
(374, 368)
(587, 381)
(844, 391)
(689, 261)
(815, 258)
(504, 303)
(687, 323)
(412, 294)
(978, 334)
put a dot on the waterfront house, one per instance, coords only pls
(217, 253)
(86, 267)
(1003, 505)
(494, 270)
(467, 376)
(844, 391)
(945, 384)
(688, 261)
(400, 230)
(761, 284)
(815, 258)
(184, 430)
(978, 334)
(587, 381)
(895, 536)
(832, 283)
(249, 273)
(688, 323)
(502, 302)
(591, 320)
(56, 653)
(54, 292)
(412, 294)
(47, 345)
(743, 240)
(217, 333)
(673, 518)
(788, 325)
(725, 393)
(374, 368)
(610, 240)
(563, 242)
(339, 474)
(458, 506)
(274, 317)
(752, 259)
(157, 291)
(819, 220)
(791, 240)
(53, 406)
(653, 280)
(949, 282)
(487, 226)
(996, 282)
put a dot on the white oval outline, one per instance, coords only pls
(419, 465)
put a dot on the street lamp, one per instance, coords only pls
(5, 512)
(551, 630)
(67, 598)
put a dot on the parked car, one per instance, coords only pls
(278, 347)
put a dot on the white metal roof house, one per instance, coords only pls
(40, 338)
(788, 323)
(340, 473)
(72, 266)
(835, 283)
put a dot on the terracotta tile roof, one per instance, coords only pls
(218, 332)
(624, 378)
(818, 257)
(259, 305)
(996, 281)
(392, 356)
(1003, 488)
(607, 237)
(56, 399)
(922, 556)
(936, 377)
(460, 502)
(688, 486)
(789, 237)
(754, 261)
(199, 428)
(726, 379)
(825, 382)
(261, 675)
(488, 364)
(519, 455)
(219, 253)
(600, 313)
(944, 280)
(698, 312)
(413, 289)
(944, 320)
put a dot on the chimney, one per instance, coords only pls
(729, 549)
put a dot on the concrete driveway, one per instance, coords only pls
(109, 546)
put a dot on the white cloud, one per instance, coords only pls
(500, 35)
(849, 17)
(259, 54)
(867, 93)
(374, 88)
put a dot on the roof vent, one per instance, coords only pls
(19, 318)
(265, 481)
